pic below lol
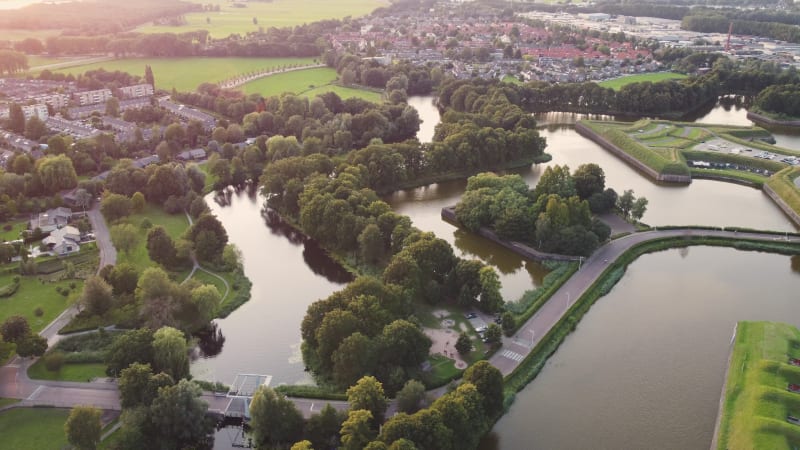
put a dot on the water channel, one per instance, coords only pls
(289, 272)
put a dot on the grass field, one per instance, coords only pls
(309, 83)
(756, 398)
(511, 79)
(33, 428)
(174, 224)
(617, 83)
(19, 35)
(31, 294)
(7, 401)
(185, 74)
(14, 232)
(69, 372)
(277, 13)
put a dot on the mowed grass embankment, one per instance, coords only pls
(174, 224)
(276, 13)
(33, 428)
(617, 83)
(185, 74)
(309, 83)
(757, 401)
(33, 293)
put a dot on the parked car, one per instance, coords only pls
(470, 315)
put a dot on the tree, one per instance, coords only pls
(178, 416)
(410, 397)
(137, 202)
(115, 207)
(206, 299)
(31, 345)
(160, 246)
(493, 334)
(97, 296)
(371, 244)
(368, 394)
(112, 107)
(148, 75)
(135, 346)
(354, 358)
(35, 128)
(406, 343)
(555, 180)
(323, 429)
(357, 430)
(508, 322)
(56, 173)
(625, 202)
(589, 179)
(123, 279)
(136, 386)
(491, 299)
(170, 352)
(638, 208)
(125, 237)
(16, 118)
(83, 427)
(489, 382)
(209, 237)
(15, 328)
(274, 418)
(302, 445)
(463, 344)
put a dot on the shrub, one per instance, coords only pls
(146, 224)
(53, 361)
(38, 312)
(8, 227)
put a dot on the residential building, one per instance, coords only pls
(51, 219)
(38, 110)
(63, 241)
(137, 90)
(92, 97)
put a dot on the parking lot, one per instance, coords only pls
(722, 146)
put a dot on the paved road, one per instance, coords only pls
(14, 382)
(517, 347)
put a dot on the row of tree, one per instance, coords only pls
(782, 100)
(12, 62)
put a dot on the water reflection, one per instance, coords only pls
(209, 341)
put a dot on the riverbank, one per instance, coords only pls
(757, 403)
(763, 119)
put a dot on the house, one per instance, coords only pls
(63, 241)
(92, 97)
(52, 219)
(192, 155)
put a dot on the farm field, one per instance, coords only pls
(309, 83)
(277, 13)
(617, 83)
(185, 74)
(757, 403)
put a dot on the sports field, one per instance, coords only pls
(185, 74)
(617, 83)
(309, 83)
(277, 13)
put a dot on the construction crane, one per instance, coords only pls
(728, 42)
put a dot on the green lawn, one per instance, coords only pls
(68, 372)
(14, 232)
(309, 83)
(511, 79)
(33, 428)
(206, 278)
(31, 294)
(174, 224)
(276, 13)
(617, 83)
(7, 401)
(756, 399)
(185, 74)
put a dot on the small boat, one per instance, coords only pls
(794, 388)
(794, 362)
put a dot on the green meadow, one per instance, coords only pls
(33, 428)
(309, 83)
(185, 74)
(277, 13)
(617, 83)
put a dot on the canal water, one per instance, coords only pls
(289, 272)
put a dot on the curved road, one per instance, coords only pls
(14, 382)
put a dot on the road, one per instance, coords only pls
(14, 382)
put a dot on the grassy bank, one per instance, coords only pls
(69, 372)
(530, 366)
(783, 185)
(757, 403)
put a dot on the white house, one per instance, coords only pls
(63, 241)
(52, 219)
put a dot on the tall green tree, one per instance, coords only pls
(97, 296)
(83, 427)
(125, 237)
(15, 328)
(16, 118)
(357, 430)
(274, 418)
(489, 382)
(160, 246)
(178, 416)
(56, 173)
(171, 353)
(368, 394)
(35, 128)
(134, 346)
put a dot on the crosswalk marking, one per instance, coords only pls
(514, 356)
